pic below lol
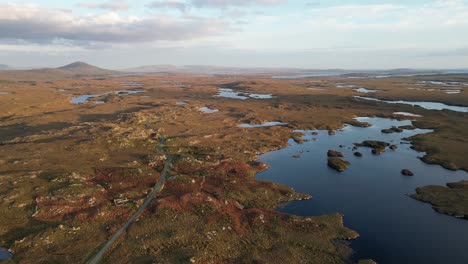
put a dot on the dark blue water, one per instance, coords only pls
(372, 195)
(5, 254)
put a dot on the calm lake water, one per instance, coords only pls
(208, 110)
(425, 105)
(81, 99)
(267, 124)
(372, 194)
(230, 93)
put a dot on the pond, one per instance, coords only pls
(229, 93)
(207, 110)
(267, 124)
(425, 105)
(81, 99)
(365, 90)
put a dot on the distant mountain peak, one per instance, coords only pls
(80, 67)
(77, 65)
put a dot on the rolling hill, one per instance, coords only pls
(73, 70)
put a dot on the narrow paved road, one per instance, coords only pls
(157, 188)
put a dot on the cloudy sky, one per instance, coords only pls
(353, 34)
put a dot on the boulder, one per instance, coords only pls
(358, 154)
(407, 172)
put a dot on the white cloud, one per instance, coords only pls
(183, 5)
(345, 35)
(111, 5)
(176, 4)
(37, 24)
(386, 16)
(435, 25)
(227, 3)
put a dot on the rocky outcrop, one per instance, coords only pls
(451, 200)
(378, 147)
(298, 137)
(338, 164)
(358, 123)
(392, 130)
(334, 154)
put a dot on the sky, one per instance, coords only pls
(315, 34)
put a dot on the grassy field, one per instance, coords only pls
(62, 165)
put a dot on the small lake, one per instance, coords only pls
(267, 124)
(441, 83)
(207, 110)
(406, 114)
(425, 105)
(345, 86)
(365, 90)
(372, 194)
(452, 91)
(229, 93)
(81, 99)
(447, 91)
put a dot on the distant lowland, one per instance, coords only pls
(81, 69)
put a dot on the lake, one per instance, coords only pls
(372, 194)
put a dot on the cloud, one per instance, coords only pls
(460, 52)
(436, 25)
(228, 3)
(184, 5)
(176, 4)
(448, 13)
(111, 5)
(37, 24)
